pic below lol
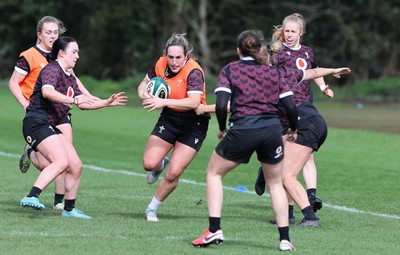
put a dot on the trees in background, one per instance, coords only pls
(122, 38)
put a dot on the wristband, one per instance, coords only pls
(323, 87)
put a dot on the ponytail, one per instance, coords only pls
(60, 44)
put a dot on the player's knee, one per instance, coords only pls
(151, 165)
(172, 176)
(75, 166)
(61, 164)
(288, 180)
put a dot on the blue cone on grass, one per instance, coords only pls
(241, 188)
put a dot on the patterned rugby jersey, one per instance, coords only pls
(54, 76)
(305, 109)
(301, 58)
(295, 77)
(255, 88)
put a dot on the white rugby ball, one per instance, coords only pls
(158, 87)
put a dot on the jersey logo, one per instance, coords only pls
(29, 140)
(279, 152)
(70, 93)
(180, 81)
(301, 63)
(196, 141)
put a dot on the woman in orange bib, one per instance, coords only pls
(179, 129)
(21, 84)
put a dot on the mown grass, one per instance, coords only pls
(358, 180)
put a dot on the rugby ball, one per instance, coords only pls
(158, 87)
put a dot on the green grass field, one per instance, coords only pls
(358, 181)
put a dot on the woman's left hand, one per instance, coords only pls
(221, 134)
(153, 103)
(117, 99)
(339, 71)
(328, 92)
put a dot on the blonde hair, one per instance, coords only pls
(50, 19)
(278, 32)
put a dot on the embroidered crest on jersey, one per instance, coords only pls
(180, 81)
(301, 63)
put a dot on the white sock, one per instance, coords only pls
(154, 204)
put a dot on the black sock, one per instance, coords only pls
(311, 193)
(291, 207)
(69, 204)
(35, 192)
(309, 213)
(284, 233)
(58, 198)
(28, 152)
(215, 224)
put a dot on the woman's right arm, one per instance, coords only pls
(142, 93)
(53, 95)
(15, 79)
(209, 108)
(221, 111)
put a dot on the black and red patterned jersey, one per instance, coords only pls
(255, 91)
(305, 109)
(298, 58)
(54, 76)
(294, 78)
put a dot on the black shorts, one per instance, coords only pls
(182, 127)
(36, 130)
(66, 119)
(239, 144)
(312, 132)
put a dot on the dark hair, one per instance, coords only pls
(60, 44)
(252, 43)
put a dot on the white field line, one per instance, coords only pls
(127, 172)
